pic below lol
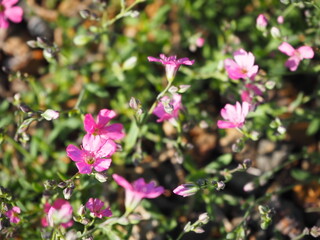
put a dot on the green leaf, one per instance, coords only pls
(313, 127)
(300, 175)
(220, 162)
(132, 136)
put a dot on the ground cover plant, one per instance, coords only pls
(153, 119)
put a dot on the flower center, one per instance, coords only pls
(90, 159)
(2, 8)
(244, 71)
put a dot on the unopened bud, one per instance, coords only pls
(220, 185)
(101, 177)
(32, 44)
(84, 13)
(247, 163)
(50, 114)
(173, 89)
(198, 230)
(134, 103)
(25, 108)
(67, 192)
(81, 210)
(62, 184)
(203, 218)
(183, 88)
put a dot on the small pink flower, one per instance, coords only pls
(261, 21)
(200, 42)
(137, 191)
(280, 19)
(234, 114)
(172, 64)
(60, 213)
(295, 55)
(99, 128)
(95, 206)
(95, 154)
(186, 190)
(9, 12)
(243, 66)
(13, 215)
(175, 103)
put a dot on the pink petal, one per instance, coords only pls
(106, 212)
(245, 109)
(156, 192)
(106, 149)
(9, 3)
(252, 71)
(306, 52)
(104, 116)
(14, 14)
(102, 164)
(113, 131)
(89, 123)
(84, 168)
(92, 143)
(286, 48)
(224, 124)
(292, 63)
(153, 59)
(122, 182)
(74, 153)
(3, 21)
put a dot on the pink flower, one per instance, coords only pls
(60, 213)
(95, 154)
(13, 215)
(280, 19)
(95, 206)
(172, 64)
(200, 42)
(99, 128)
(174, 103)
(243, 66)
(186, 190)
(9, 12)
(234, 114)
(295, 55)
(137, 191)
(261, 21)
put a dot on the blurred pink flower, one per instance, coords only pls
(280, 19)
(243, 66)
(261, 21)
(95, 154)
(172, 64)
(13, 215)
(60, 213)
(234, 114)
(200, 42)
(174, 103)
(99, 128)
(186, 190)
(295, 55)
(9, 12)
(137, 191)
(95, 206)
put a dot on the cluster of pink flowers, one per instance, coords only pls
(98, 144)
(95, 206)
(176, 105)
(9, 12)
(13, 214)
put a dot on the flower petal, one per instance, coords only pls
(104, 116)
(102, 164)
(292, 63)
(74, 153)
(84, 168)
(89, 123)
(286, 48)
(14, 14)
(122, 182)
(306, 52)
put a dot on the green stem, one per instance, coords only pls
(80, 98)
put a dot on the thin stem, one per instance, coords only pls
(81, 95)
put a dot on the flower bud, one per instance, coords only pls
(134, 103)
(101, 177)
(82, 40)
(183, 88)
(81, 210)
(67, 192)
(203, 218)
(186, 190)
(50, 114)
(84, 13)
(198, 230)
(247, 163)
